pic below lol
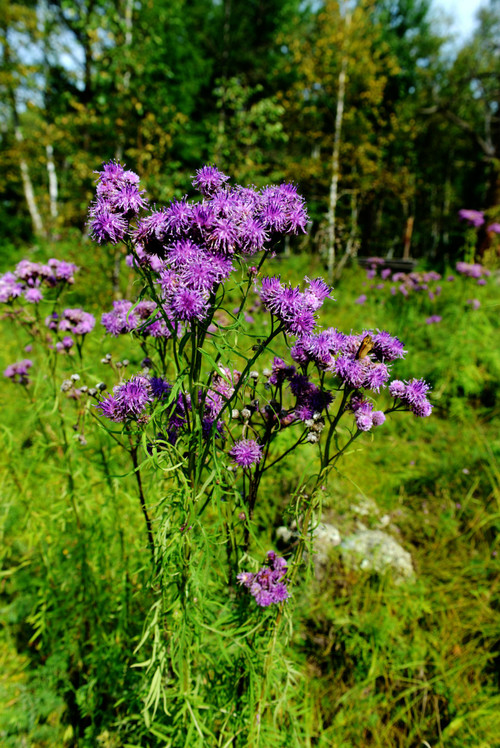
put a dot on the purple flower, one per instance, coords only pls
(33, 295)
(433, 319)
(151, 232)
(494, 228)
(18, 372)
(361, 299)
(474, 270)
(107, 227)
(316, 293)
(413, 394)
(246, 452)
(189, 305)
(160, 388)
(209, 179)
(387, 347)
(475, 303)
(378, 417)
(268, 586)
(77, 321)
(64, 345)
(62, 271)
(10, 288)
(128, 401)
(397, 388)
(120, 320)
(473, 217)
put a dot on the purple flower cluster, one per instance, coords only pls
(310, 400)
(413, 394)
(128, 401)
(29, 277)
(343, 355)
(434, 319)
(472, 270)
(268, 585)
(192, 245)
(73, 321)
(118, 199)
(18, 372)
(76, 321)
(143, 318)
(364, 414)
(294, 308)
(246, 452)
(131, 401)
(473, 217)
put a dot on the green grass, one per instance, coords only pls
(370, 662)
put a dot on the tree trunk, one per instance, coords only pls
(334, 183)
(29, 192)
(53, 187)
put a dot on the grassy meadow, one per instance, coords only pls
(371, 661)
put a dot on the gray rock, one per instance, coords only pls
(376, 551)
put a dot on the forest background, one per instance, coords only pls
(384, 125)
(388, 130)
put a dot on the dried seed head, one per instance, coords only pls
(235, 413)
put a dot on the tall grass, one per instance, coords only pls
(370, 662)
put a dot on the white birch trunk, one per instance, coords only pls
(29, 192)
(53, 186)
(352, 245)
(334, 183)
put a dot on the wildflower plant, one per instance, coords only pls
(213, 409)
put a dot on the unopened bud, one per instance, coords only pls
(66, 385)
(267, 372)
(119, 364)
(242, 516)
(246, 414)
(254, 375)
(235, 413)
(84, 388)
(125, 362)
(312, 437)
(108, 356)
(92, 392)
(316, 416)
(75, 377)
(101, 386)
(309, 423)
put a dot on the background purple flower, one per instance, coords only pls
(246, 452)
